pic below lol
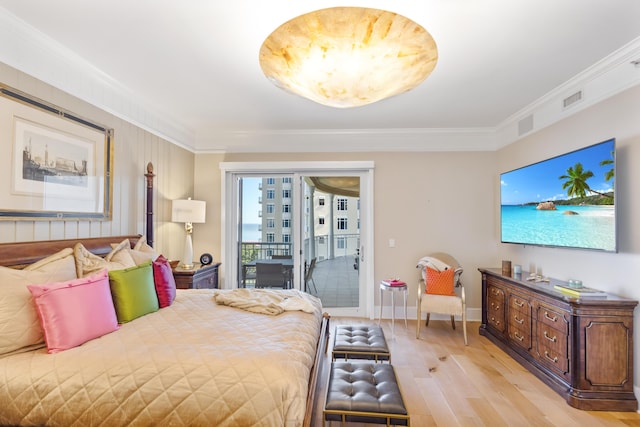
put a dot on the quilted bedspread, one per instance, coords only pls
(194, 363)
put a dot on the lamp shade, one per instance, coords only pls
(188, 211)
(348, 56)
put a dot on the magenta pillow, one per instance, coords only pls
(164, 281)
(76, 311)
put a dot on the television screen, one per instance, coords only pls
(567, 201)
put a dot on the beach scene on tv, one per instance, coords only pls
(565, 201)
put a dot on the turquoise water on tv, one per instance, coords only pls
(592, 228)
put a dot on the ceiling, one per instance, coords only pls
(194, 63)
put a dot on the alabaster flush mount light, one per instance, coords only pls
(348, 56)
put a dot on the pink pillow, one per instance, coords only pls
(164, 281)
(75, 311)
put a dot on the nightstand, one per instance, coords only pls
(200, 277)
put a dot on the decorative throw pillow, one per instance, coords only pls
(142, 252)
(75, 311)
(120, 253)
(88, 263)
(439, 282)
(164, 281)
(19, 323)
(59, 266)
(133, 291)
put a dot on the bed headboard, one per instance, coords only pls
(22, 253)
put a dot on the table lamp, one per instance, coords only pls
(188, 211)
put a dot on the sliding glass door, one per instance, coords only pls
(265, 232)
(314, 218)
(331, 236)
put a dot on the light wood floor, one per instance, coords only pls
(447, 384)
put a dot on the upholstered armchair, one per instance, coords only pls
(440, 290)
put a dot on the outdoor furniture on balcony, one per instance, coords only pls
(285, 267)
(271, 275)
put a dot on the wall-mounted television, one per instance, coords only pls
(566, 201)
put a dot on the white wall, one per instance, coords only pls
(426, 201)
(449, 201)
(133, 149)
(617, 117)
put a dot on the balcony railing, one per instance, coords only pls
(349, 244)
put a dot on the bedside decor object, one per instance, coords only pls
(348, 56)
(206, 259)
(188, 211)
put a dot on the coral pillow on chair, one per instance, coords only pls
(440, 282)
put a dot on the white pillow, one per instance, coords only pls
(88, 263)
(19, 321)
(140, 253)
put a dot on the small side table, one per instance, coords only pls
(393, 289)
(200, 277)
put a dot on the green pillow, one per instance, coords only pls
(133, 292)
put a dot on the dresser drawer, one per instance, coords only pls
(520, 304)
(496, 314)
(520, 335)
(553, 317)
(557, 361)
(496, 293)
(553, 340)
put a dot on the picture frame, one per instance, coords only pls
(58, 165)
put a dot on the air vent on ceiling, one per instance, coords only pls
(572, 99)
(525, 125)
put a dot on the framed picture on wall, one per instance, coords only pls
(58, 165)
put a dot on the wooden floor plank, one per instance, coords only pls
(445, 383)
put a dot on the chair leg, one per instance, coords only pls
(464, 326)
(418, 322)
(427, 322)
(453, 322)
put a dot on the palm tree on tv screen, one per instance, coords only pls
(608, 175)
(576, 182)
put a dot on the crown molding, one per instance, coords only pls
(28, 50)
(611, 75)
(32, 52)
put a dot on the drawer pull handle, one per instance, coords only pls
(518, 337)
(553, 319)
(518, 303)
(554, 359)
(552, 339)
(520, 321)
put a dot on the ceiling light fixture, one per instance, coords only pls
(348, 56)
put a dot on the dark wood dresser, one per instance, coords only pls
(200, 277)
(581, 347)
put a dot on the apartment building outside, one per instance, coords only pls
(332, 222)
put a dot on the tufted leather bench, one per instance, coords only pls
(364, 393)
(360, 342)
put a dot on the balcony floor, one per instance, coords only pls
(337, 282)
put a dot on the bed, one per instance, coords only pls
(194, 362)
